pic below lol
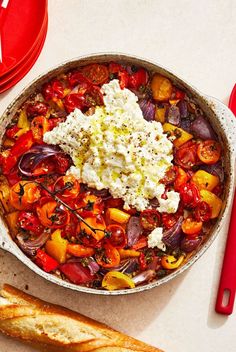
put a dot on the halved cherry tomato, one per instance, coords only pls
(169, 220)
(30, 222)
(150, 219)
(120, 73)
(54, 121)
(53, 90)
(37, 108)
(89, 205)
(186, 155)
(74, 100)
(138, 79)
(53, 215)
(23, 194)
(181, 178)
(97, 223)
(191, 226)
(93, 97)
(67, 186)
(39, 126)
(108, 256)
(87, 240)
(189, 195)
(96, 73)
(203, 211)
(209, 151)
(79, 250)
(117, 236)
(11, 131)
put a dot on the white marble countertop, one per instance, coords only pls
(196, 40)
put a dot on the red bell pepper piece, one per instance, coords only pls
(45, 262)
(21, 146)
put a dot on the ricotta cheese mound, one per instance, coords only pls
(155, 239)
(117, 149)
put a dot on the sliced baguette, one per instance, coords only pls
(49, 327)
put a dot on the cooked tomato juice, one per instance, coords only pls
(84, 234)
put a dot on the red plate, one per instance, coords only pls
(21, 31)
(19, 74)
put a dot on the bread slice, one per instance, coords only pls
(50, 327)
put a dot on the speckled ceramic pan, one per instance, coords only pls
(217, 113)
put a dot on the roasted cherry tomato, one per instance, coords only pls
(86, 239)
(181, 178)
(108, 256)
(89, 205)
(170, 176)
(190, 195)
(138, 79)
(11, 131)
(203, 211)
(96, 73)
(76, 78)
(54, 121)
(53, 215)
(117, 237)
(118, 71)
(53, 90)
(39, 126)
(209, 151)
(150, 219)
(23, 194)
(191, 226)
(169, 220)
(37, 108)
(114, 203)
(186, 155)
(22, 145)
(30, 222)
(67, 186)
(63, 162)
(142, 261)
(93, 97)
(73, 101)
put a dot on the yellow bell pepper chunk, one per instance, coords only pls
(8, 143)
(115, 280)
(12, 222)
(181, 135)
(214, 202)
(23, 123)
(118, 215)
(5, 194)
(170, 262)
(161, 87)
(204, 180)
(56, 246)
(128, 253)
(160, 113)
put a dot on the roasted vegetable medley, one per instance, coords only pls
(83, 234)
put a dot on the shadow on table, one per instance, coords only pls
(215, 320)
(130, 313)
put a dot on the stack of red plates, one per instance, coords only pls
(23, 32)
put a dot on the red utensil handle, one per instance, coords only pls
(227, 286)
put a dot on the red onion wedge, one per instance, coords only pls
(148, 109)
(144, 276)
(183, 108)
(173, 115)
(30, 246)
(76, 273)
(31, 159)
(201, 128)
(189, 244)
(172, 236)
(134, 230)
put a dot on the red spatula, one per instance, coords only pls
(227, 286)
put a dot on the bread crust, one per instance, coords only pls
(52, 328)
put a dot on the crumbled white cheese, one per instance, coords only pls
(169, 205)
(117, 149)
(4, 301)
(155, 239)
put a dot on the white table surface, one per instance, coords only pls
(195, 39)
